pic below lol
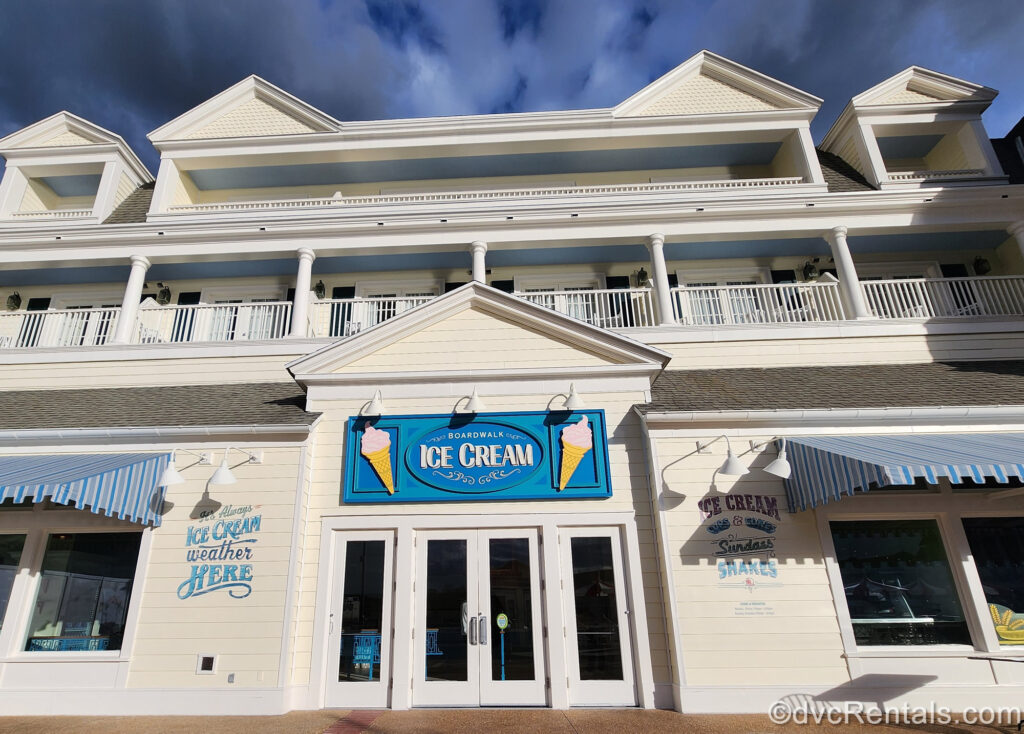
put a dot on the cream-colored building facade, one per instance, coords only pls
(802, 368)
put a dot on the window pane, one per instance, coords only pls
(85, 583)
(10, 555)
(997, 544)
(363, 612)
(511, 648)
(447, 650)
(597, 618)
(898, 585)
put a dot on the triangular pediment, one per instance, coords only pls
(916, 85)
(60, 130)
(708, 84)
(478, 330)
(251, 108)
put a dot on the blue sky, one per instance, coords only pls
(132, 65)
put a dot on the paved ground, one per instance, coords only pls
(454, 721)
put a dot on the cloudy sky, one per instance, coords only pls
(132, 65)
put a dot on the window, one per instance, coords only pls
(85, 584)
(997, 544)
(898, 584)
(10, 557)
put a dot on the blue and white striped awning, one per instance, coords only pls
(827, 468)
(115, 485)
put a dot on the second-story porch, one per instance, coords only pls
(634, 287)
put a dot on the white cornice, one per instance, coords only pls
(798, 418)
(83, 436)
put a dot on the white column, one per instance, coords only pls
(849, 283)
(300, 302)
(130, 303)
(1017, 230)
(479, 250)
(656, 245)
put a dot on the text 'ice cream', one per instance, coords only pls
(577, 440)
(375, 445)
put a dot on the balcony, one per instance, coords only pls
(791, 304)
(338, 201)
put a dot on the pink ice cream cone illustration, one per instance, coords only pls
(577, 440)
(375, 445)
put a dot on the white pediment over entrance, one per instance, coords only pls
(478, 329)
(60, 130)
(709, 84)
(916, 85)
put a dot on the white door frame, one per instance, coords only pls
(549, 524)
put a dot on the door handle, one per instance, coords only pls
(471, 629)
(483, 630)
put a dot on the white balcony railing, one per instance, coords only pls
(609, 309)
(897, 177)
(53, 214)
(485, 194)
(946, 298)
(737, 305)
(213, 323)
(348, 316)
(72, 327)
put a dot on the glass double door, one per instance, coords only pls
(478, 635)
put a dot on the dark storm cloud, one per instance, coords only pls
(132, 65)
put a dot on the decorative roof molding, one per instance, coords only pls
(65, 132)
(620, 350)
(775, 93)
(926, 87)
(250, 89)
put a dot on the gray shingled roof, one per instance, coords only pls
(267, 403)
(934, 384)
(134, 208)
(840, 175)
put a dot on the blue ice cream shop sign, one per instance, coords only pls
(483, 456)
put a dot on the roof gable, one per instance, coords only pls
(476, 329)
(708, 83)
(251, 108)
(916, 85)
(59, 130)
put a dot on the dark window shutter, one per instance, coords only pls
(673, 280)
(343, 291)
(783, 276)
(954, 270)
(504, 285)
(38, 304)
(617, 282)
(449, 287)
(291, 295)
(189, 299)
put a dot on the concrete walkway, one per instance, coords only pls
(455, 721)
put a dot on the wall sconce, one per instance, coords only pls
(810, 270)
(224, 475)
(780, 467)
(475, 404)
(982, 266)
(642, 278)
(732, 466)
(374, 408)
(170, 475)
(573, 401)
(163, 296)
(14, 301)
(320, 290)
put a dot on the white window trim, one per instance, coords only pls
(212, 294)
(91, 298)
(559, 281)
(947, 509)
(399, 287)
(37, 525)
(888, 270)
(722, 274)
